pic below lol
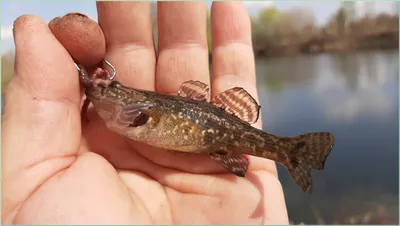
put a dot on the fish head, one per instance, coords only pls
(114, 93)
(106, 98)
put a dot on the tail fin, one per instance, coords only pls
(307, 151)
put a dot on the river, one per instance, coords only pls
(354, 96)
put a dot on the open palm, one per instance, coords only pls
(57, 171)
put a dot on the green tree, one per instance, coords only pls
(268, 20)
(269, 16)
(264, 28)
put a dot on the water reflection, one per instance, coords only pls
(357, 86)
(354, 96)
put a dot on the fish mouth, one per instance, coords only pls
(94, 93)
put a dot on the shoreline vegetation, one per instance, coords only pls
(294, 32)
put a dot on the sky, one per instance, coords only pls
(47, 10)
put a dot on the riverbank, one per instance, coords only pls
(330, 44)
(295, 31)
(382, 41)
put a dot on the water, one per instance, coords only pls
(354, 96)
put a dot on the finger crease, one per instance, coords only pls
(185, 45)
(129, 47)
(234, 44)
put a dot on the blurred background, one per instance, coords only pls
(321, 66)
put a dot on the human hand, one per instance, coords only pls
(53, 173)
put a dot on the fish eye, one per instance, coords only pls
(115, 84)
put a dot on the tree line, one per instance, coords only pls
(295, 30)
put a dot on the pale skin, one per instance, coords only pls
(52, 173)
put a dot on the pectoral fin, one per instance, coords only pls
(133, 114)
(237, 164)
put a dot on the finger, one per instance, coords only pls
(233, 59)
(233, 65)
(129, 39)
(81, 36)
(41, 118)
(182, 42)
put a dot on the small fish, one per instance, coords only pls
(221, 128)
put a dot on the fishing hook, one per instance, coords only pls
(85, 78)
(112, 67)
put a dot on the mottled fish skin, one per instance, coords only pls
(178, 123)
(195, 125)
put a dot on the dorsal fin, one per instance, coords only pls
(237, 101)
(194, 90)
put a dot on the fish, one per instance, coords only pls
(220, 128)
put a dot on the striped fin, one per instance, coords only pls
(194, 90)
(237, 101)
(236, 164)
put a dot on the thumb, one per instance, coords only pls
(41, 116)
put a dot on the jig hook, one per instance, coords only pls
(112, 67)
(88, 81)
